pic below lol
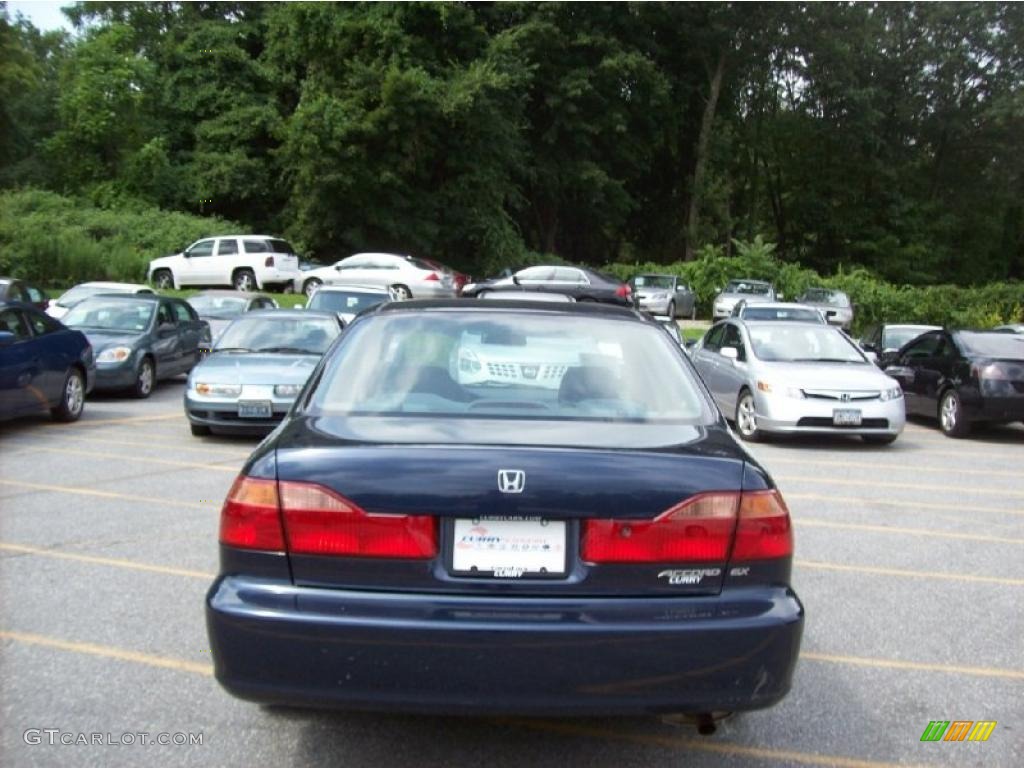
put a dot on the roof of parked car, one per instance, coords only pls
(361, 288)
(571, 308)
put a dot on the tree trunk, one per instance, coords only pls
(703, 140)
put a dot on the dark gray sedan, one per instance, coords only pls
(139, 339)
(256, 370)
(219, 308)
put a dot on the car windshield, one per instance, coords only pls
(209, 305)
(111, 314)
(781, 313)
(746, 286)
(345, 301)
(282, 333)
(825, 296)
(894, 338)
(510, 365)
(653, 281)
(803, 343)
(992, 344)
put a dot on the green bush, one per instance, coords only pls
(56, 240)
(875, 299)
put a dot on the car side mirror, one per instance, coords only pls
(515, 280)
(730, 352)
(338, 267)
(688, 343)
(7, 338)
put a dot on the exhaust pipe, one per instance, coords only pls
(705, 722)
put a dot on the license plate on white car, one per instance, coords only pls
(509, 549)
(843, 417)
(255, 409)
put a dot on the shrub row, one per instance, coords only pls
(57, 240)
(875, 299)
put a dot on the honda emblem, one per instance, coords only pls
(511, 480)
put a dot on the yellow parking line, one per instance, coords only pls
(105, 440)
(873, 483)
(1016, 474)
(145, 460)
(108, 651)
(685, 744)
(103, 494)
(920, 666)
(95, 560)
(906, 531)
(878, 571)
(915, 505)
(125, 420)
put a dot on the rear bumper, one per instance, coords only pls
(273, 642)
(271, 276)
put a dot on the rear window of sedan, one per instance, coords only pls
(992, 344)
(510, 365)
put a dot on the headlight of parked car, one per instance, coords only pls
(893, 393)
(114, 355)
(287, 390)
(775, 389)
(229, 390)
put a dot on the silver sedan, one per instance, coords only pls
(787, 377)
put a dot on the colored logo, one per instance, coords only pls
(958, 730)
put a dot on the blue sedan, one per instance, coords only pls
(140, 339)
(43, 365)
(505, 507)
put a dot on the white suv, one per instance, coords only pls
(244, 262)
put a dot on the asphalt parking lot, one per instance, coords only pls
(910, 562)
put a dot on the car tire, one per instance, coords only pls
(310, 286)
(671, 311)
(244, 280)
(145, 378)
(72, 398)
(879, 439)
(746, 418)
(198, 430)
(952, 419)
(401, 292)
(163, 280)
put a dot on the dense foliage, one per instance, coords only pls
(878, 135)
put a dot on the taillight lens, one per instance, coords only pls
(269, 261)
(764, 531)
(321, 522)
(697, 530)
(432, 276)
(700, 529)
(623, 291)
(249, 518)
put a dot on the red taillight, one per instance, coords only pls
(432, 276)
(764, 531)
(697, 530)
(249, 518)
(623, 291)
(269, 261)
(321, 522)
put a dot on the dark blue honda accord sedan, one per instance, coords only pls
(505, 507)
